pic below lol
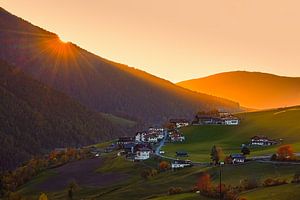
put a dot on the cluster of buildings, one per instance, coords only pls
(140, 147)
(153, 135)
(175, 136)
(221, 118)
(179, 123)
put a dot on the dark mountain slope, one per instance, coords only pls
(97, 83)
(250, 89)
(35, 118)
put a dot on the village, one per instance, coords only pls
(146, 144)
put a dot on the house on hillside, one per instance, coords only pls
(140, 136)
(179, 122)
(237, 158)
(177, 137)
(142, 153)
(124, 140)
(232, 121)
(207, 120)
(222, 118)
(262, 141)
(151, 138)
(178, 164)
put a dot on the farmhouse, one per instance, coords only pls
(177, 137)
(179, 122)
(152, 129)
(221, 118)
(142, 153)
(151, 138)
(237, 158)
(262, 141)
(231, 121)
(177, 164)
(140, 136)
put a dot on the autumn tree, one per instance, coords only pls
(285, 152)
(216, 154)
(164, 165)
(204, 184)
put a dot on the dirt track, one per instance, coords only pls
(83, 172)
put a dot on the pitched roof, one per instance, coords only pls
(239, 156)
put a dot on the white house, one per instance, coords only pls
(151, 138)
(140, 136)
(177, 137)
(160, 135)
(231, 121)
(237, 158)
(179, 122)
(142, 154)
(151, 129)
(177, 164)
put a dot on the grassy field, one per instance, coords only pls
(135, 187)
(118, 120)
(185, 196)
(289, 191)
(276, 124)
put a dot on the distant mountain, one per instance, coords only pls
(97, 83)
(35, 118)
(250, 89)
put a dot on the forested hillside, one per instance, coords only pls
(97, 83)
(35, 118)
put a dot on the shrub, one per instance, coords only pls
(273, 182)
(286, 152)
(175, 190)
(145, 174)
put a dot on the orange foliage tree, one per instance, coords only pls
(285, 152)
(164, 165)
(204, 184)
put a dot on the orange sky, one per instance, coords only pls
(175, 39)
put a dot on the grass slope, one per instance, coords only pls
(134, 187)
(279, 123)
(290, 191)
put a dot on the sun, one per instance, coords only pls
(63, 39)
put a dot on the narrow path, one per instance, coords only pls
(162, 143)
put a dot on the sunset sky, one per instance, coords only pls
(175, 39)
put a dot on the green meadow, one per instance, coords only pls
(276, 124)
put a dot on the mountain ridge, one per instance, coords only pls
(264, 90)
(99, 84)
